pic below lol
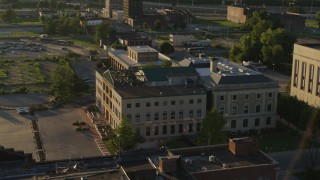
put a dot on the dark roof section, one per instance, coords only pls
(246, 79)
(161, 74)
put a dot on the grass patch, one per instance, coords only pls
(284, 139)
(110, 146)
(28, 21)
(311, 23)
(3, 73)
(19, 34)
(84, 41)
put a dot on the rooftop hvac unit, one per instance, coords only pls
(212, 158)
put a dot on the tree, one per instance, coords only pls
(144, 26)
(126, 137)
(9, 16)
(212, 129)
(166, 48)
(157, 24)
(53, 4)
(295, 9)
(318, 18)
(103, 31)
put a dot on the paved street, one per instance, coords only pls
(60, 139)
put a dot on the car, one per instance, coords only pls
(23, 110)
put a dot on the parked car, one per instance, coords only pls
(23, 110)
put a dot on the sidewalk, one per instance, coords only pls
(96, 135)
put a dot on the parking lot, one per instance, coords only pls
(60, 139)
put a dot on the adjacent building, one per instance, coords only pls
(136, 57)
(132, 8)
(179, 40)
(134, 39)
(239, 14)
(112, 5)
(159, 103)
(305, 82)
(247, 98)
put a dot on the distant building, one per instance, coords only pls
(305, 82)
(132, 9)
(5, 6)
(178, 40)
(240, 14)
(91, 21)
(136, 57)
(290, 21)
(159, 103)
(247, 98)
(117, 15)
(134, 39)
(240, 159)
(111, 6)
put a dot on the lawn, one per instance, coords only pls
(19, 34)
(28, 21)
(3, 73)
(216, 23)
(283, 140)
(311, 23)
(84, 41)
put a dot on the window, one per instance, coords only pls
(164, 103)
(257, 122)
(181, 102)
(147, 131)
(311, 74)
(221, 98)
(164, 115)
(267, 178)
(128, 105)
(190, 127)
(245, 123)
(137, 117)
(296, 71)
(303, 75)
(156, 130)
(246, 109)
(156, 116)
(137, 104)
(190, 113)
(173, 103)
(138, 131)
(180, 128)
(234, 110)
(164, 129)
(221, 108)
(234, 97)
(269, 107)
(129, 118)
(148, 104)
(258, 108)
(173, 115)
(233, 124)
(268, 121)
(173, 129)
(199, 101)
(246, 96)
(198, 127)
(270, 94)
(199, 113)
(156, 103)
(258, 96)
(180, 114)
(148, 117)
(190, 101)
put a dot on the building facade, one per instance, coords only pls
(132, 8)
(305, 79)
(179, 40)
(247, 98)
(111, 5)
(158, 102)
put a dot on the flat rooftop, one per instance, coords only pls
(314, 46)
(122, 55)
(199, 161)
(142, 49)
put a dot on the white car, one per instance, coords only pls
(23, 110)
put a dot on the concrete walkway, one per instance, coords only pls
(96, 135)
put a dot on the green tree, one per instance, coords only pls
(157, 24)
(43, 4)
(9, 16)
(144, 26)
(212, 129)
(103, 31)
(126, 137)
(318, 18)
(53, 4)
(166, 48)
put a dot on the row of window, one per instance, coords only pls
(245, 108)
(245, 122)
(156, 115)
(164, 103)
(246, 96)
(169, 129)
